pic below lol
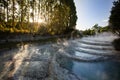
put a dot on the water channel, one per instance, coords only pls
(88, 58)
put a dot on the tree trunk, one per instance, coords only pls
(7, 10)
(13, 17)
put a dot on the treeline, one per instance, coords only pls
(114, 20)
(37, 16)
(96, 29)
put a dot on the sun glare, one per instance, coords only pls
(40, 20)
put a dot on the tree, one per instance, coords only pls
(13, 12)
(114, 20)
(96, 28)
(59, 15)
(3, 6)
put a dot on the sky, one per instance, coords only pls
(91, 12)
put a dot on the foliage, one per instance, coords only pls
(115, 17)
(24, 16)
(95, 26)
(116, 44)
(88, 32)
(96, 29)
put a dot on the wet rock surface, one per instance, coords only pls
(58, 61)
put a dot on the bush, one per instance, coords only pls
(88, 32)
(116, 44)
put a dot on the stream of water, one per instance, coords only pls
(88, 58)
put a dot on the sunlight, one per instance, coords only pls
(40, 20)
(31, 20)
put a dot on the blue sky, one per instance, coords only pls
(92, 12)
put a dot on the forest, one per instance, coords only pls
(37, 16)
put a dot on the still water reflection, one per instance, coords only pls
(106, 70)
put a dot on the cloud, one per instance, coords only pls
(105, 20)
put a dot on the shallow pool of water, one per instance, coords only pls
(106, 70)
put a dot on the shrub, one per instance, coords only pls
(116, 44)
